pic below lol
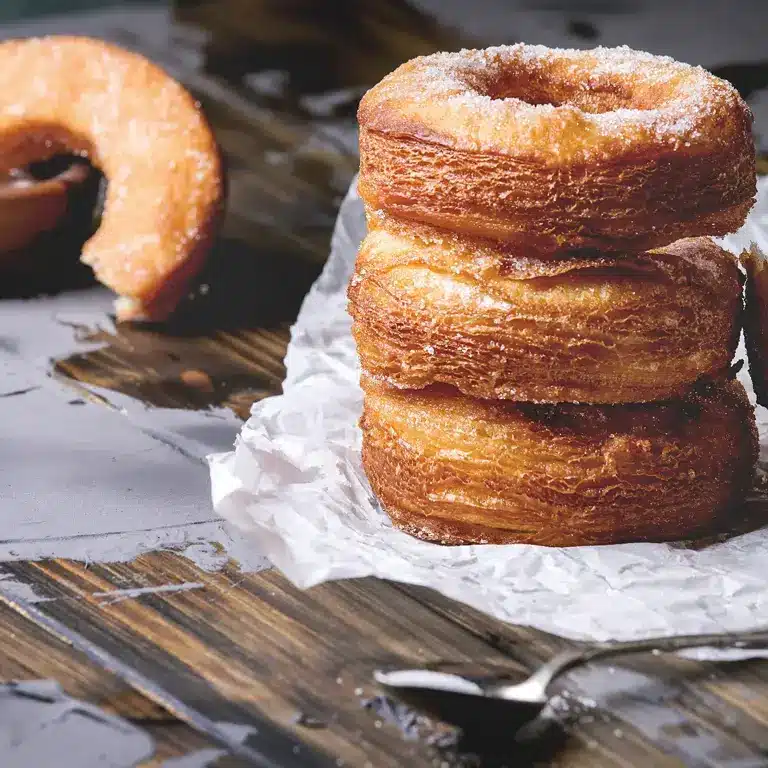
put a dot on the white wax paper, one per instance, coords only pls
(295, 485)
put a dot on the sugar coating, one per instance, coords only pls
(148, 136)
(452, 90)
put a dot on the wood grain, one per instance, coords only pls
(28, 653)
(246, 648)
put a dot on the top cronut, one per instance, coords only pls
(556, 104)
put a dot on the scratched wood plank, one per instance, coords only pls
(248, 636)
(28, 653)
(253, 649)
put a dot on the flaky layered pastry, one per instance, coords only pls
(549, 149)
(432, 307)
(455, 470)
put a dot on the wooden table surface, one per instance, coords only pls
(249, 648)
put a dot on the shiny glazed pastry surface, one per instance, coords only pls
(431, 307)
(549, 149)
(454, 470)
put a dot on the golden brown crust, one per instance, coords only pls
(454, 470)
(431, 307)
(557, 149)
(148, 136)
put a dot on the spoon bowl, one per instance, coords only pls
(457, 700)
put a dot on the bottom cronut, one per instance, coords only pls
(454, 470)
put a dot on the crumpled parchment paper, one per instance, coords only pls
(295, 485)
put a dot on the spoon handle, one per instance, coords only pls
(575, 658)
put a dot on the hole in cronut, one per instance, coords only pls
(594, 96)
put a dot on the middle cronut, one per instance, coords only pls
(431, 307)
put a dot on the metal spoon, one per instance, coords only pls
(472, 703)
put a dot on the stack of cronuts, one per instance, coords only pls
(546, 329)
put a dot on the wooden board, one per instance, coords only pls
(250, 648)
(30, 653)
